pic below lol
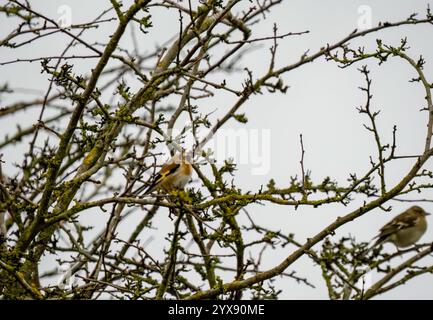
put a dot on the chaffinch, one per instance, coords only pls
(175, 174)
(405, 229)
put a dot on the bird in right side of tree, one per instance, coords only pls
(405, 229)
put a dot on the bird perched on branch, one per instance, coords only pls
(175, 174)
(405, 229)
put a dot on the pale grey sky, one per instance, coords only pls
(321, 104)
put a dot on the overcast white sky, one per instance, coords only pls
(321, 104)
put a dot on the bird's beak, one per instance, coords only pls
(428, 214)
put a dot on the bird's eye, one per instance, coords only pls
(418, 210)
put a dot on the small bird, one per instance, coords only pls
(405, 229)
(175, 174)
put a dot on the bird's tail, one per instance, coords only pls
(378, 242)
(149, 189)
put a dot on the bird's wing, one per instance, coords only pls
(165, 171)
(400, 222)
